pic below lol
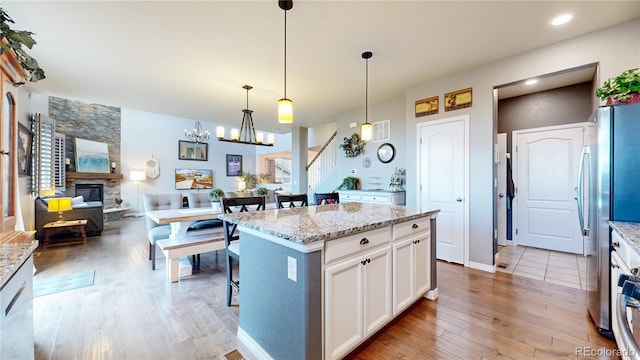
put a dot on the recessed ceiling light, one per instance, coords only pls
(531, 81)
(562, 19)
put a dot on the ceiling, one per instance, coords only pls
(191, 59)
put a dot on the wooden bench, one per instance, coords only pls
(197, 242)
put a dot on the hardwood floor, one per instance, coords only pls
(132, 312)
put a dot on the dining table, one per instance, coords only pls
(181, 219)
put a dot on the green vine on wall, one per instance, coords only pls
(352, 146)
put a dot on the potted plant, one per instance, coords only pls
(215, 195)
(622, 89)
(264, 178)
(14, 40)
(349, 183)
(250, 179)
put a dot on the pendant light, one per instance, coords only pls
(285, 106)
(366, 131)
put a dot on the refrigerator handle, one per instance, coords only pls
(585, 155)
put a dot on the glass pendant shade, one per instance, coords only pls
(366, 131)
(270, 139)
(285, 111)
(220, 132)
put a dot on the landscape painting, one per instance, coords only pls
(92, 156)
(194, 179)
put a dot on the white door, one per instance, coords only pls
(442, 177)
(547, 166)
(501, 173)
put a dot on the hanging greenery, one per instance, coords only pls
(352, 146)
(15, 40)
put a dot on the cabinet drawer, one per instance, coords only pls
(351, 244)
(624, 250)
(349, 197)
(376, 199)
(411, 227)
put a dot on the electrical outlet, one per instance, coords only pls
(292, 268)
(354, 172)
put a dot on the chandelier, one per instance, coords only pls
(197, 134)
(247, 134)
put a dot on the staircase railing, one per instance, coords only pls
(323, 164)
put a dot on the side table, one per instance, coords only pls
(55, 227)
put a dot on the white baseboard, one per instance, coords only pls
(249, 348)
(432, 294)
(483, 267)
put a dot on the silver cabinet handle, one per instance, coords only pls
(414, 226)
(459, 199)
(615, 244)
(364, 241)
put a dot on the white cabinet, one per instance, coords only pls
(411, 271)
(623, 258)
(16, 322)
(373, 197)
(357, 294)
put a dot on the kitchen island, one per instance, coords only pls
(16, 294)
(318, 281)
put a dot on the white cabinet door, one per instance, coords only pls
(343, 307)
(403, 282)
(357, 300)
(422, 256)
(410, 270)
(377, 289)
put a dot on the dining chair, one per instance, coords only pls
(327, 198)
(156, 231)
(301, 199)
(231, 239)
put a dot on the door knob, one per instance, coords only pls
(459, 199)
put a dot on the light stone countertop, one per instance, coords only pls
(12, 256)
(309, 224)
(630, 231)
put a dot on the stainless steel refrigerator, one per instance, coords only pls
(608, 189)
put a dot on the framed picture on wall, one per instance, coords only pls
(25, 138)
(234, 165)
(92, 156)
(189, 150)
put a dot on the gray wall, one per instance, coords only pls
(615, 49)
(283, 316)
(566, 105)
(392, 110)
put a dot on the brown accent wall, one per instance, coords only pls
(566, 105)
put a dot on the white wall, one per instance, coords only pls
(320, 134)
(615, 49)
(146, 135)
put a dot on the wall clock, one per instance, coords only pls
(386, 153)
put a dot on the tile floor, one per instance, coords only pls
(550, 266)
